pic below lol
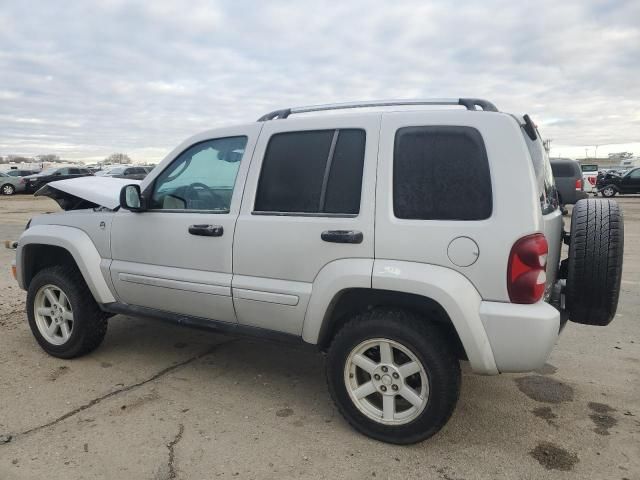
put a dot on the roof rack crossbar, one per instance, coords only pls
(468, 103)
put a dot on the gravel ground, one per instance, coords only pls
(161, 402)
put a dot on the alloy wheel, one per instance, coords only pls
(53, 314)
(386, 381)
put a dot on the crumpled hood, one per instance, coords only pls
(86, 192)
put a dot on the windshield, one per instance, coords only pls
(115, 171)
(49, 171)
(3, 174)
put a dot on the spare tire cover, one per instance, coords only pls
(595, 261)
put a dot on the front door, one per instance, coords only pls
(176, 256)
(631, 182)
(308, 204)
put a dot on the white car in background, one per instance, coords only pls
(589, 177)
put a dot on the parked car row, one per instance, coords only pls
(17, 181)
(125, 171)
(575, 181)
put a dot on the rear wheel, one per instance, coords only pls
(392, 376)
(595, 261)
(8, 189)
(63, 316)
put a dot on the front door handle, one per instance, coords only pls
(342, 236)
(206, 230)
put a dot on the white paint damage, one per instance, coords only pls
(101, 191)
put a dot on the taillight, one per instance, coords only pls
(22, 180)
(526, 275)
(579, 184)
(592, 180)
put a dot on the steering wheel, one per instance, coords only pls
(217, 202)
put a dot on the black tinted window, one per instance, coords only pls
(563, 169)
(312, 172)
(441, 173)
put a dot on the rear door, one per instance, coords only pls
(309, 201)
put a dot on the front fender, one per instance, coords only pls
(78, 244)
(457, 296)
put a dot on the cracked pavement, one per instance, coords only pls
(158, 401)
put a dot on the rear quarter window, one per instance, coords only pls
(544, 174)
(441, 173)
(564, 169)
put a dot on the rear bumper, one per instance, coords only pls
(521, 336)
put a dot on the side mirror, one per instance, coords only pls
(131, 198)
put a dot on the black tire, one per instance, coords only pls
(89, 322)
(595, 261)
(609, 191)
(426, 341)
(8, 189)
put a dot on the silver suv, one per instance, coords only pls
(399, 242)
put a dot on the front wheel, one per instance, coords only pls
(63, 316)
(392, 376)
(8, 189)
(608, 191)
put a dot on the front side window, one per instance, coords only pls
(312, 172)
(441, 173)
(634, 173)
(200, 178)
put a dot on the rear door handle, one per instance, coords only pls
(342, 236)
(206, 230)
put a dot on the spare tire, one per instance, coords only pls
(595, 261)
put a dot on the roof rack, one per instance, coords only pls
(469, 103)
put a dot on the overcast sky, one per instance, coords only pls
(84, 80)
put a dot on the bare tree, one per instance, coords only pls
(18, 159)
(620, 155)
(48, 158)
(117, 158)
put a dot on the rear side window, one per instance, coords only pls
(544, 174)
(441, 173)
(563, 169)
(312, 172)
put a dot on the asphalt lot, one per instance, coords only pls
(157, 401)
